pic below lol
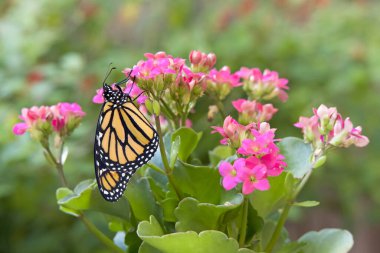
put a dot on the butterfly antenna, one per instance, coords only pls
(108, 73)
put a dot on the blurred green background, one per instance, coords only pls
(52, 51)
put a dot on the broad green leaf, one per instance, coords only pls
(254, 223)
(189, 141)
(329, 240)
(199, 182)
(186, 242)
(195, 216)
(133, 241)
(141, 199)
(86, 196)
(219, 153)
(267, 202)
(297, 155)
(308, 203)
(168, 207)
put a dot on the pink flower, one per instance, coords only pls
(232, 132)
(229, 174)
(135, 91)
(202, 62)
(266, 85)
(252, 177)
(327, 127)
(252, 111)
(224, 76)
(98, 98)
(20, 128)
(34, 119)
(255, 179)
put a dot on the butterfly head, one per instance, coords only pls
(116, 96)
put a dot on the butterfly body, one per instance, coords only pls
(124, 141)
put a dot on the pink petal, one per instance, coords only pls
(20, 128)
(225, 168)
(262, 184)
(248, 187)
(229, 182)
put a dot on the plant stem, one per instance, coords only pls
(220, 106)
(101, 237)
(156, 168)
(277, 231)
(243, 224)
(164, 158)
(285, 212)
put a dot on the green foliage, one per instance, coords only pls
(327, 240)
(206, 241)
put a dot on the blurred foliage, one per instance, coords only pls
(53, 51)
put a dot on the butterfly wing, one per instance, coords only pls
(124, 141)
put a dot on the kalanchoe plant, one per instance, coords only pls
(239, 201)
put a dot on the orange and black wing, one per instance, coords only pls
(124, 141)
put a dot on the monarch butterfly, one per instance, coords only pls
(124, 141)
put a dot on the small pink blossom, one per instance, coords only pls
(202, 62)
(224, 76)
(20, 128)
(255, 179)
(263, 85)
(252, 111)
(232, 132)
(229, 174)
(98, 98)
(327, 127)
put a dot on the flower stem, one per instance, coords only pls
(168, 170)
(243, 225)
(156, 168)
(279, 226)
(101, 237)
(285, 212)
(220, 106)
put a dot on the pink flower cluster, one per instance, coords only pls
(259, 155)
(131, 89)
(253, 111)
(327, 127)
(156, 65)
(265, 85)
(62, 118)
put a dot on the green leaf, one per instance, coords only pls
(86, 196)
(267, 202)
(199, 182)
(219, 153)
(133, 241)
(297, 155)
(308, 203)
(254, 223)
(141, 199)
(174, 150)
(188, 242)
(197, 217)
(329, 240)
(189, 141)
(168, 207)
